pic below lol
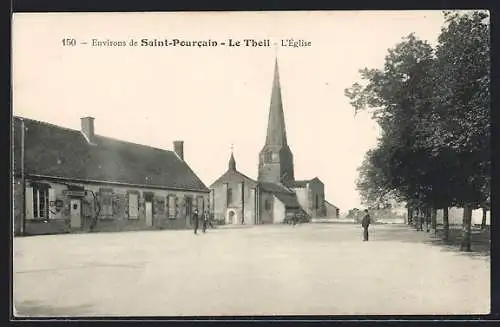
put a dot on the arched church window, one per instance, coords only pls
(229, 196)
(317, 202)
(268, 156)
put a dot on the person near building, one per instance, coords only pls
(205, 221)
(195, 220)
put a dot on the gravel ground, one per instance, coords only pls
(312, 269)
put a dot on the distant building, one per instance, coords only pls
(73, 181)
(455, 216)
(331, 210)
(276, 194)
(394, 212)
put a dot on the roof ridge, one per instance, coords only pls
(97, 135)
(133, 143)
(227, 172)
(46, 123)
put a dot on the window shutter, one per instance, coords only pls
(29, 203)
(176, 207)
(167, 204)
(52, 198)
(127, 205)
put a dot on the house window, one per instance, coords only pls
(267, 205)
(133, 205)
(172, 206)
(159, 206)
(229, 196)
(106, 203)
(40, 201)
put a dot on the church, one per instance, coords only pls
(276, 195)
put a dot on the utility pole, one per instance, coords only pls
(23, 183)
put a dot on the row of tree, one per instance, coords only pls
(433, 107)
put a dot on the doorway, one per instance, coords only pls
(231, 217)
(189, 209)
(75, 213)
(149, 214)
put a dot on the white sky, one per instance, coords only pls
(213, 97)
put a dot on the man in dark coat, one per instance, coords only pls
(365, 222)
(195, 220)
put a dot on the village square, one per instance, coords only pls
(105, 226)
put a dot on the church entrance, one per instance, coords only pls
(231, 217)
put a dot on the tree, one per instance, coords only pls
(433, 109)
(404, 164)
(463, 103)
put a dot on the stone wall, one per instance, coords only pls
(59, 220)
(240, 204)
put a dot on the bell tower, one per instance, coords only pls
(275, 158)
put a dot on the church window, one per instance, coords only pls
(268, 156)
(229, 195)
(317, 201)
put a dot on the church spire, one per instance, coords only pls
(276, 158)
(232, 162)
(276, 133)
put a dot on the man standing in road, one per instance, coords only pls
(365, 222)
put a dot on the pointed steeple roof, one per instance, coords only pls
(232, 163)
(276, 133)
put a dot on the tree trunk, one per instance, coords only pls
(446, 224)
(466, 229)
(420, 220)
(427, 219)
(483, 222)
(410, 216)
(434, 219)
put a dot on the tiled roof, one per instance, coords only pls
(297, 183)
(284, 194)
(289, 200)
(275, 188)
(331, 205)
(303, 183)
(51, 150)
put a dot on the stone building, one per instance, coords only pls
(332, 211)
(276, 194)
(234, 197)
(67, 180)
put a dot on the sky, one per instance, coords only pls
(214, 98)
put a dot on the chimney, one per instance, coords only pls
(179, 149)
(88, 128)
